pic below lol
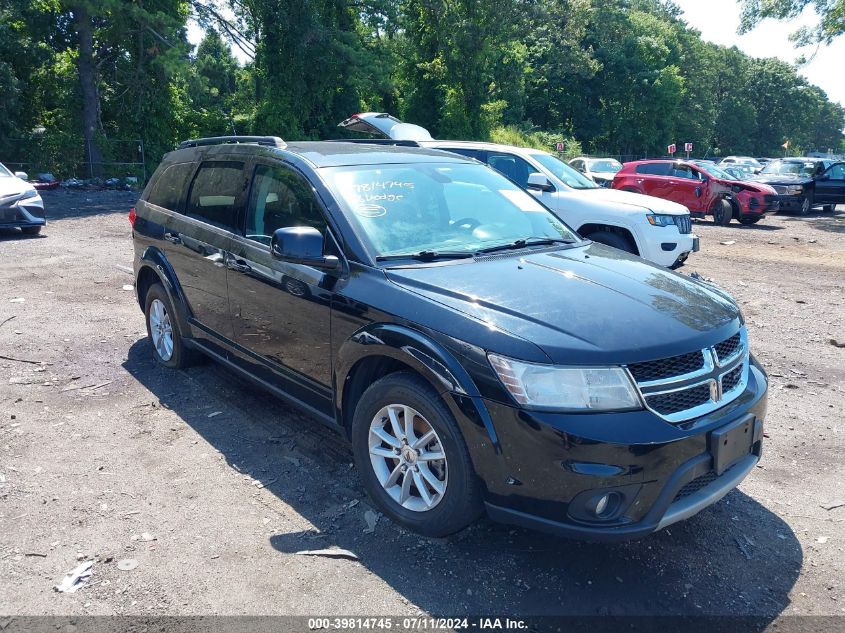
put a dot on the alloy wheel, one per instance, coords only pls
(407, 457)
(161, 330)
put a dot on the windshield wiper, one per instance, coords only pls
(528, 241)
(427, 256)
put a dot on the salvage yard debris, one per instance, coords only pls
(333, 552)
(76, 578)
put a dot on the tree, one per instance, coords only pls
(830, 24)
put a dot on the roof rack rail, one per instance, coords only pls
(271, 141)
(376, 141)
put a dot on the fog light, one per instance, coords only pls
(601, 505)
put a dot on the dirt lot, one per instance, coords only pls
(212, 487)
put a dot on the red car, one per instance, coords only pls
(701, 187)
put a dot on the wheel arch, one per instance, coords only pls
(378, 350)
(154, 268)
(624, 231)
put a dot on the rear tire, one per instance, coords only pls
(829, 207)
(31, 230)
(612, 239)
(722, 212)
(168, 346)
(386, 456)
(748, 220)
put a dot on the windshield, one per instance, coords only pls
(789, 168)
(442, 208)
(715, 171)
(564, 172)
(4, 173)
(608, 165)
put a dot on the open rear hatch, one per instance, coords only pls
(383, 125)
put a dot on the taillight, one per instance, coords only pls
(132, 217)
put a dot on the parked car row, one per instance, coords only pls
(21, 205)
(655, 229)
(701, 187)
(479, 354)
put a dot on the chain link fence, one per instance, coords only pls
(65, 157)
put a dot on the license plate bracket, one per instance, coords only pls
(731, 443)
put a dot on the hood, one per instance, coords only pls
(13, 186)
(748, 185)
(627, 200)
(586, 305)
(780, 179)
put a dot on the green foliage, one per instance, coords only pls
(830, 24)
(622, 77)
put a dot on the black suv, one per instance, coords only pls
(476, 352)
(803, 183)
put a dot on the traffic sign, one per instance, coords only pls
(687, 147)
(560, 146)
(671, 149)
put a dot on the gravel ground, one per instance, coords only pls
(213, 487)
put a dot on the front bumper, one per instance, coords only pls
(790, 203)
(22, 213)
(666, 246)
(659, 473)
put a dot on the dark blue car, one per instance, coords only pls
(478, 353)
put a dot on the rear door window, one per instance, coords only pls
(169, 187)
(463, 151)
(654, 169)
(515, 168)
(217, 192)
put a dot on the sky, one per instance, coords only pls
(718, 21)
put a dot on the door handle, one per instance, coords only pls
(173, 237)
(239, 265)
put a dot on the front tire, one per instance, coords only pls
(31, 230)
(412, 458)
(612, 239)
(806, 205)
(722, 212)
(748, 220)
(167, 343)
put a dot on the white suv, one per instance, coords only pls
(655, 229)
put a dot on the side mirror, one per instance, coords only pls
(22, 175)
(302, 245)
(539, 182)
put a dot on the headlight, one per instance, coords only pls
(656, 219)
(537, 386)
(32, 193)
(794, 190)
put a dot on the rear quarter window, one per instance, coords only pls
(654, 169)
(168, 187)
(216, 193)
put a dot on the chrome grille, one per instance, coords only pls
(690, 385)
(728, 349)
(667, 367)
(684, 223)
(675, 401)
(732, 379)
